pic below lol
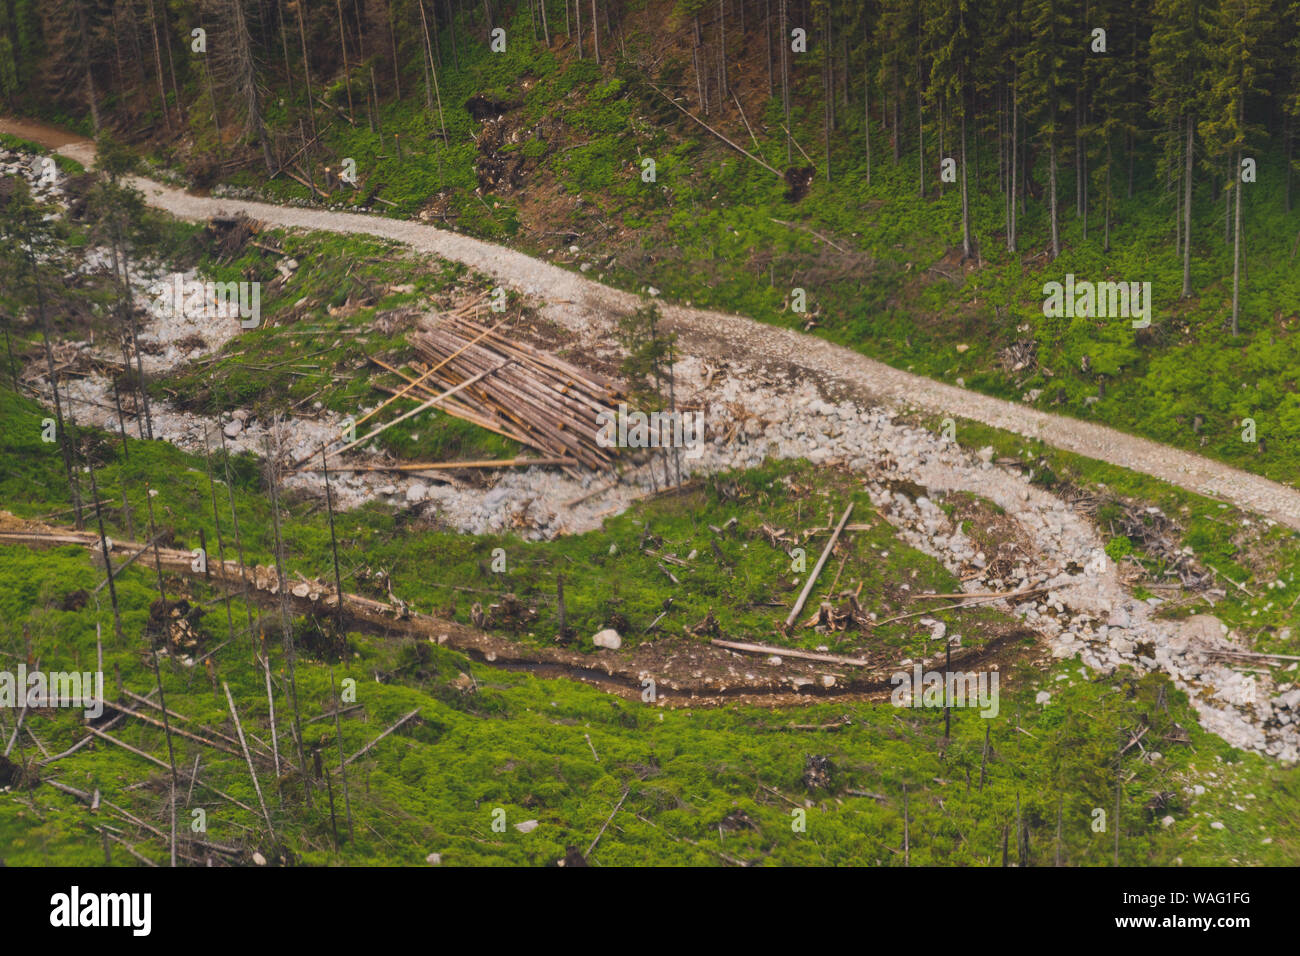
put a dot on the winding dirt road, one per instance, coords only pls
(590, 308)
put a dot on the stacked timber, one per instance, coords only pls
(517, 390)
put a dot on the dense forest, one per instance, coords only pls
(1073, 91)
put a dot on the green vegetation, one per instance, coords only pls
(523, 742)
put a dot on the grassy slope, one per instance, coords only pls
(520, 743)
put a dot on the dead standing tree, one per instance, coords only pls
(235, 69)
(274, 448)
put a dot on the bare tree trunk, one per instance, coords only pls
(397, 66)
(1106, 241)
(54, 384)
(767, 32)
(1234, 172)
(866, 120)
(695, 58)
(103, 546)
(785, 82)
(1056, 225)
(306, 73)
(1187, 210)
(157, 673)
(920, 134)
(343, 45)
(432, 70)
(1236, 249)
(967, 246)
(722, 53)
(91, 96)
(239, 544)
(157, 56)
(828, 93)
(246, 80)
(272, 467)
(284, 46)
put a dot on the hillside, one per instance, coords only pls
(405, 607)
(542, 146)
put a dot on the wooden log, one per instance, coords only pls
(812, 578)
(239, 729)
(453, 465)
(381, 736)
(401, 418)
(950, 607)
(739, 149)
(790, 652)
(419, 380)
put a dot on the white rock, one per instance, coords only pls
(528, 826)
(416, 492)
(608, 638)
(1042, 697)
(233, 429)
(433, 859)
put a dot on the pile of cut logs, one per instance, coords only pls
(477, 373)
(517, 390)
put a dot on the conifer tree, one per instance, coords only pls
(1240, 69)
(1180, 54)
